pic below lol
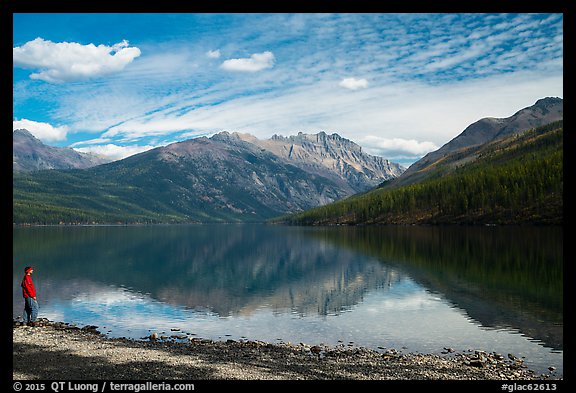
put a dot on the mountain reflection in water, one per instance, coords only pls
(500, 277)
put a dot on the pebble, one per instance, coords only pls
(253, 356)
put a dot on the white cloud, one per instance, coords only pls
(43, 131)
(397, 147)
(256, 62)
(213, 54)
(115, 152)
(354, 84)
(71, 61)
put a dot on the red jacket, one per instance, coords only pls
(27, 285)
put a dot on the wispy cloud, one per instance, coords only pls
(383, 119)
(71, 61)
(397, 84)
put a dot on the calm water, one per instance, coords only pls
(410, 288)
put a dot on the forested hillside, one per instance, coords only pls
(518, 179)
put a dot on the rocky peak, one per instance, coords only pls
(321, 153)
(320, 139)
(30, 154)
(335, 153)
(23, 133)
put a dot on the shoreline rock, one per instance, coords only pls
(56, 350)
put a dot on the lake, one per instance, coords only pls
(411, 288)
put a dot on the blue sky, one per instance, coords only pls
(399, 85)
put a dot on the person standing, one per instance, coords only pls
(29, 293)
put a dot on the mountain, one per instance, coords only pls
(514, 178)
(30, 154)
(463, 148)
(228, 177)
(317, 152)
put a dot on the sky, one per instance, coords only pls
(399, 85)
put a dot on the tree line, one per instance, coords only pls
(517, 180)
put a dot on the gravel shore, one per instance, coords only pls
(57, 351)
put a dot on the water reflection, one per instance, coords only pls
(228, 269)
(502, 276)
(366, 285)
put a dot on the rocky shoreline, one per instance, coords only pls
(57, 351)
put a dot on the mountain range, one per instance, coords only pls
(30, 154)
(503, 171)
(495, 169)
(227, 177)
